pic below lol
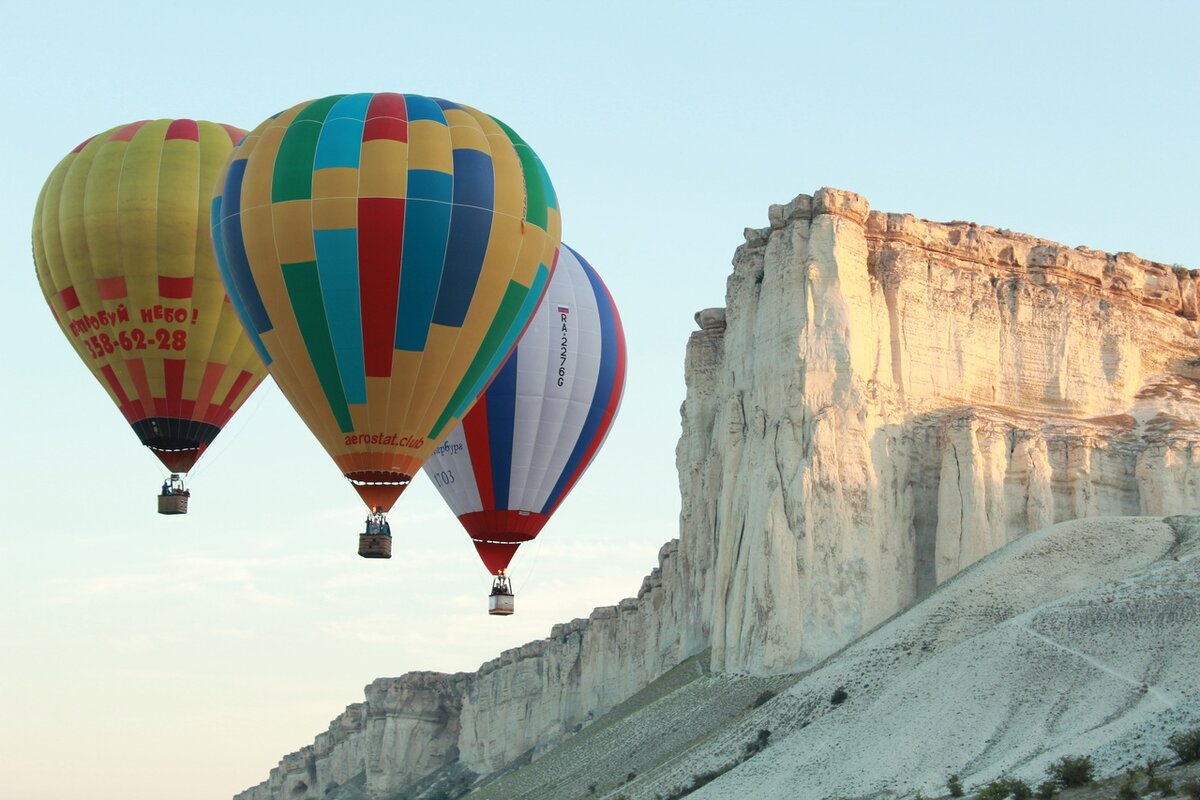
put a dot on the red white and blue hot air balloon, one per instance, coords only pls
(529, 438)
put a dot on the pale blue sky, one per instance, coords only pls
(146, 657)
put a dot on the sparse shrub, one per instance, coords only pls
(1003, 788)
(1019, 789)
(996, 790)
(954, 785)
(763, 697)
(1163, 785)
(629, 778)
(1186, 745)
(1126, 790)
(1071, 771)
(758, 744)
(1191, 789)
(591, 788)
(1047, 789)
(839, 696)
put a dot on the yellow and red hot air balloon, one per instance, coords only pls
(125, 261)
(384, 252)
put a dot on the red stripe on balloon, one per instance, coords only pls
(227, 404)
(174, 288)
(69, 298)
(380, 245)
(173, 369)
(126, 133)
(387, 118)
(123, 401)
(208, 386)
(183, 129)
(235, 134)
(112, 288)
(479, 447)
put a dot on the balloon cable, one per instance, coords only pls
(527, 573)
(241, 422)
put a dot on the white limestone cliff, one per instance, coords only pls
(883, 401)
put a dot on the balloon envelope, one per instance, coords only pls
(538, 426)
(384, 252)
(124, 259)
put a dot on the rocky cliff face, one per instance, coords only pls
(896, 398)
(883, 401)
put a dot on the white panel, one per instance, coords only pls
(450, 470)
(559, 432)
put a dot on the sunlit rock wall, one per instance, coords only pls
(897, 398)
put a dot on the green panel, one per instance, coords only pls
(538, 191)
(291, 178)
(304, 292)
(519, 302)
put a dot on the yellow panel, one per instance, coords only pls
(298, 377)
(99, 246)
(378, 391)
(383, 168)
(335, 182)
(465, 131)
(429, 146)
(404, 368)
(360, 416)
(259, 152)
(510, 180)
(333, 213)
(293, 224)
(440, 348)
(179, 195)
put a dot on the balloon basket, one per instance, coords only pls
(370, 546)
(500, 605)
(172, 503)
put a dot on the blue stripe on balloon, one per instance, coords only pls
(446, 105)
(604, 388)
(340, 142)
(421, 107)
(501, 414)
(237, 263)
(235, 297)
(426, 227)
(470, 230)
(337, 269)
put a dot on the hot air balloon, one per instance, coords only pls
(124, 259)
(521, 449)
(384, 252)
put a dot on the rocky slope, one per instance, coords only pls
(883, 402)
(1080, 639)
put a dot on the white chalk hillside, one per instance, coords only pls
(1080, 639)
(882, 402)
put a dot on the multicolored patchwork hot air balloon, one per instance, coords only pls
(124, 258)
(525, 444)
(384, 251)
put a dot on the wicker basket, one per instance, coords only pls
(172, 503)
(500, 605)
(373, 546)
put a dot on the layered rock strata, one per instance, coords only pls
(882, 402)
